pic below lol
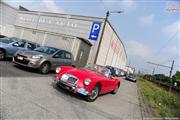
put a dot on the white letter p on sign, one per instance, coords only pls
(95, 27)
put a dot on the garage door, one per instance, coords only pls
(58, 41)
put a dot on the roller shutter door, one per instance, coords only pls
(59, 42)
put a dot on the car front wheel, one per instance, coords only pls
(44, 69)
(94, 94)
(2, 54)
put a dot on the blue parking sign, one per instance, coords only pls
(95, 31)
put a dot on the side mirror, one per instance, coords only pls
(16, 45)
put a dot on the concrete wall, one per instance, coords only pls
(57, 23)
(7, 19)
(76, 26)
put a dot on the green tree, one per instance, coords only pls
(176, 77)
(161, 77)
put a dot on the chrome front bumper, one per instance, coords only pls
(65, 85)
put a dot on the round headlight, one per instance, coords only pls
(87, 81)
(58, 70)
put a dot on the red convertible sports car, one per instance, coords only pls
(89, 81)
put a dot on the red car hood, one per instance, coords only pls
(85, 73)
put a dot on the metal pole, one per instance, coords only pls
(153, 71)
(100, 40)
(170, 74)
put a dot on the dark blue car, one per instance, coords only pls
(9, 46)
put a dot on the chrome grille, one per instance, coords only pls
(72, 80)
(68, 78)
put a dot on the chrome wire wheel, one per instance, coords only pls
(94, 93)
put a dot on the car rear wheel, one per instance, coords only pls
(94, 94)
(115, 90)
(2, 54)
(44, 69)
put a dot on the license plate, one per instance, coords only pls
(20, 58)
(64, 78)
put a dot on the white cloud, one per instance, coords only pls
(148, 20)
(172, 29)
(36, 5)
(109, 1)
(125, 5)
(139, 54)
(52, 7)
(173, 50)
(137, 49)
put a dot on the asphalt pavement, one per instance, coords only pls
(26, 94)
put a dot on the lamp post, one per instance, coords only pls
(100, 40)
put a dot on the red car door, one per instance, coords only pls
(112, 84)
(106, 85)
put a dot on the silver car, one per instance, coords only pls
(131, 77)
(9, 46)
(44, 58)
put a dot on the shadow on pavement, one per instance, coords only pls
(67, 93)
(9, 69)
(71, 94)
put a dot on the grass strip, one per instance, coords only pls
(164, 104)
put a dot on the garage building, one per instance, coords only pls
(77, 34)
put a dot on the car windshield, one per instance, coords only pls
(6, 40)
(100, 69)
(132, 75)
(47, 50)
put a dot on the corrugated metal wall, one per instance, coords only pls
(112, 51)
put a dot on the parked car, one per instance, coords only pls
(131, 77)
(113, 70)
(2, 36)
(89, 81)
(120, 72)
(9, 46)
(44, 58)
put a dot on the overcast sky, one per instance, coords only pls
(149, 30)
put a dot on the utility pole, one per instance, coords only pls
(100, 40)
(170, 74)
(153, 71)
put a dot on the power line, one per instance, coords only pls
(171, 38)
(158, 64)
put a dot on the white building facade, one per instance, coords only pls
(63, 31)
